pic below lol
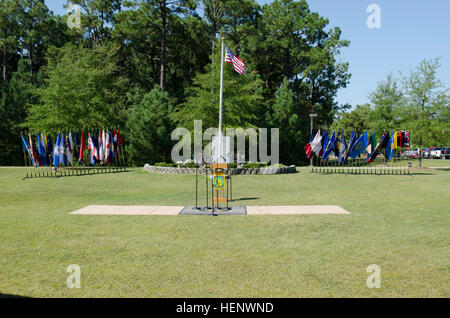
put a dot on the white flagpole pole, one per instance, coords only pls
(221, 103)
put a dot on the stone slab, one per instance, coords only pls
(295, 209)
(129, 210)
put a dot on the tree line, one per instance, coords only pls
(417, 101)
(149, 66)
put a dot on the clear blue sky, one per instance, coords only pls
(411, 30)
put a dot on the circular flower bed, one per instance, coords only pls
(234, 171)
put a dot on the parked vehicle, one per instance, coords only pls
(445, 153)
(410, 154)
(426, 152)
(435, 153)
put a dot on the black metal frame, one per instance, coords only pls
(214, 209)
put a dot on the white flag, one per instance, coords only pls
(100, 147)
(104, 145)
(316, 144)
(62, 150)
(107, 145)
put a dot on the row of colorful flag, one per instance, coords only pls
(324, 145)
(103, 147)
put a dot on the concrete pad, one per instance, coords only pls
(235, 210)
(180, 210)
(295, 209)
(129, 210)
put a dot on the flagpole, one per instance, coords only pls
(221, 102)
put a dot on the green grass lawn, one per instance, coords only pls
(433, 162)
(400, 223)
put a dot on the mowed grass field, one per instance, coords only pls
(400, 223)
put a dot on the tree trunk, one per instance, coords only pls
(420, 152)
(4, 65)
(420, 158)
(213, 39)
(287, 63)
(101, 26)
(4, 58)
(30, 52)
(163, 45)
(214, 28)
(4, 78)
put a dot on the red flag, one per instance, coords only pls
(120, 141)
(100, 147)
(92, 147)
(36, 161)
(308, 150)
(82, 148)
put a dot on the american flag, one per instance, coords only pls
(239, 66)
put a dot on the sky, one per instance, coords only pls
(410, 31)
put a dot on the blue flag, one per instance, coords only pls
(350, 144)
(324, 142)
(385, 140)
(24, 144)
(56, 151)
(337, 145)
(42, 151)
(388, 152)
(342, 148)
(76, 146)
(111, 145)
(62, 151)
(329, 148)
(94, 151)
(366, 140)
(26, 147)
(358, 146)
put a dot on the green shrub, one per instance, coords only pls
(165, 164)
(189, 165)
(255, 165)
(232, 165)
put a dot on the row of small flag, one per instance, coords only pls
(70, 148)
(324, 146)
